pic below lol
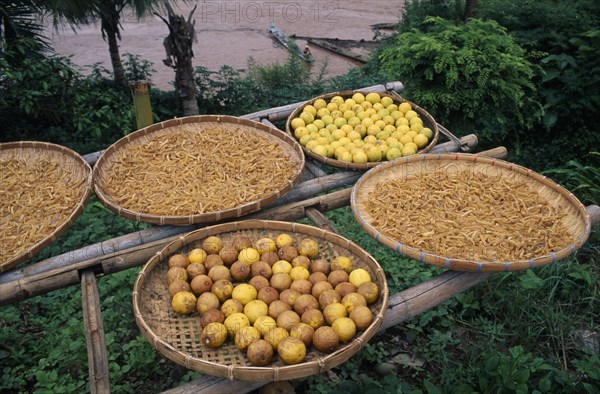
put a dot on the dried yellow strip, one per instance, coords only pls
(468, 215)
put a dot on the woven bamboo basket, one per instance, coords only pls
(191, 212)
(570, 214)
(428, 121)
(77, 177)
(178, 337)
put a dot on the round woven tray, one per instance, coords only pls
(189, 188)
(572, 215)
(178, 337)
(32, 160)
(428, 121)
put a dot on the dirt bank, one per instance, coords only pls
(231, 31)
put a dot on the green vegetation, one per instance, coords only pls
(522, 75)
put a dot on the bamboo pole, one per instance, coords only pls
(94, 334)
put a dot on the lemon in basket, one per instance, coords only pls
(345, 328)
(297, 122)
(291, 350)
(260, 353)
(255, 309)
(236, 322)
(245, 337)
(359, 276)
(197, 255)
(244, 293)
(184, 302)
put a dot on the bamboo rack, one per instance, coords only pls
(311, 198)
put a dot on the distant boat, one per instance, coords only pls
(290, 44)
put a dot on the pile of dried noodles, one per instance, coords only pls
(37, 195)
(468, 215)
(197, 168)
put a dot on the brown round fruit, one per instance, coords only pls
(259, 282)
(241, 242)
(319, 287)
(336, 277)
(308, 247)
(177, 286)
(362, 317)
(260, 353)
(305, 302)
(370, 291)
(178, 260)
(212, 244)
(329, 297)
(325, 339)
(261, 268)
(302, 286)
(212, 260)
(194, 270)
(267, 295)
(313, 317)
(270, 257)
(345, 288)
(213, 315)
(302, 331)
(176, 273)
(222, 289)
(219, 272)
(206, 301)
(301, 261)
(231, 306)
(289, 296)
(239, 271)
(278, 306)
(214, 335)
(320, 265)
(201, 284)
(245, 337)
(288, 253)
(281, 281)
(317, 277)
(229, 255)
(287, 319)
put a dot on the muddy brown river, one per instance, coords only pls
(229, 32)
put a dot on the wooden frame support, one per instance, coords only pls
(94, 334)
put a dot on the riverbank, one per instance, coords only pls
(229, 32)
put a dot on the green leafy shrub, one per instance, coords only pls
(472, 78)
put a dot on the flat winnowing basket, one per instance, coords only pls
(428, 121)
(469, 213)
(197, 169)
(178, 337)
(43, 188)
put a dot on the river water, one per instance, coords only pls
(229, 32)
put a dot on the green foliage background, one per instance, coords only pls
(524, 75)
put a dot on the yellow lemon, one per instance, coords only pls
(197, 255)
(244, 293)
(359, 276)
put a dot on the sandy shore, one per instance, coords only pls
(229, 32)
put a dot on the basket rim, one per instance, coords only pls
(206, 217)
(248, 373)
(355, 166)
(77, 210)
(466, 264)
